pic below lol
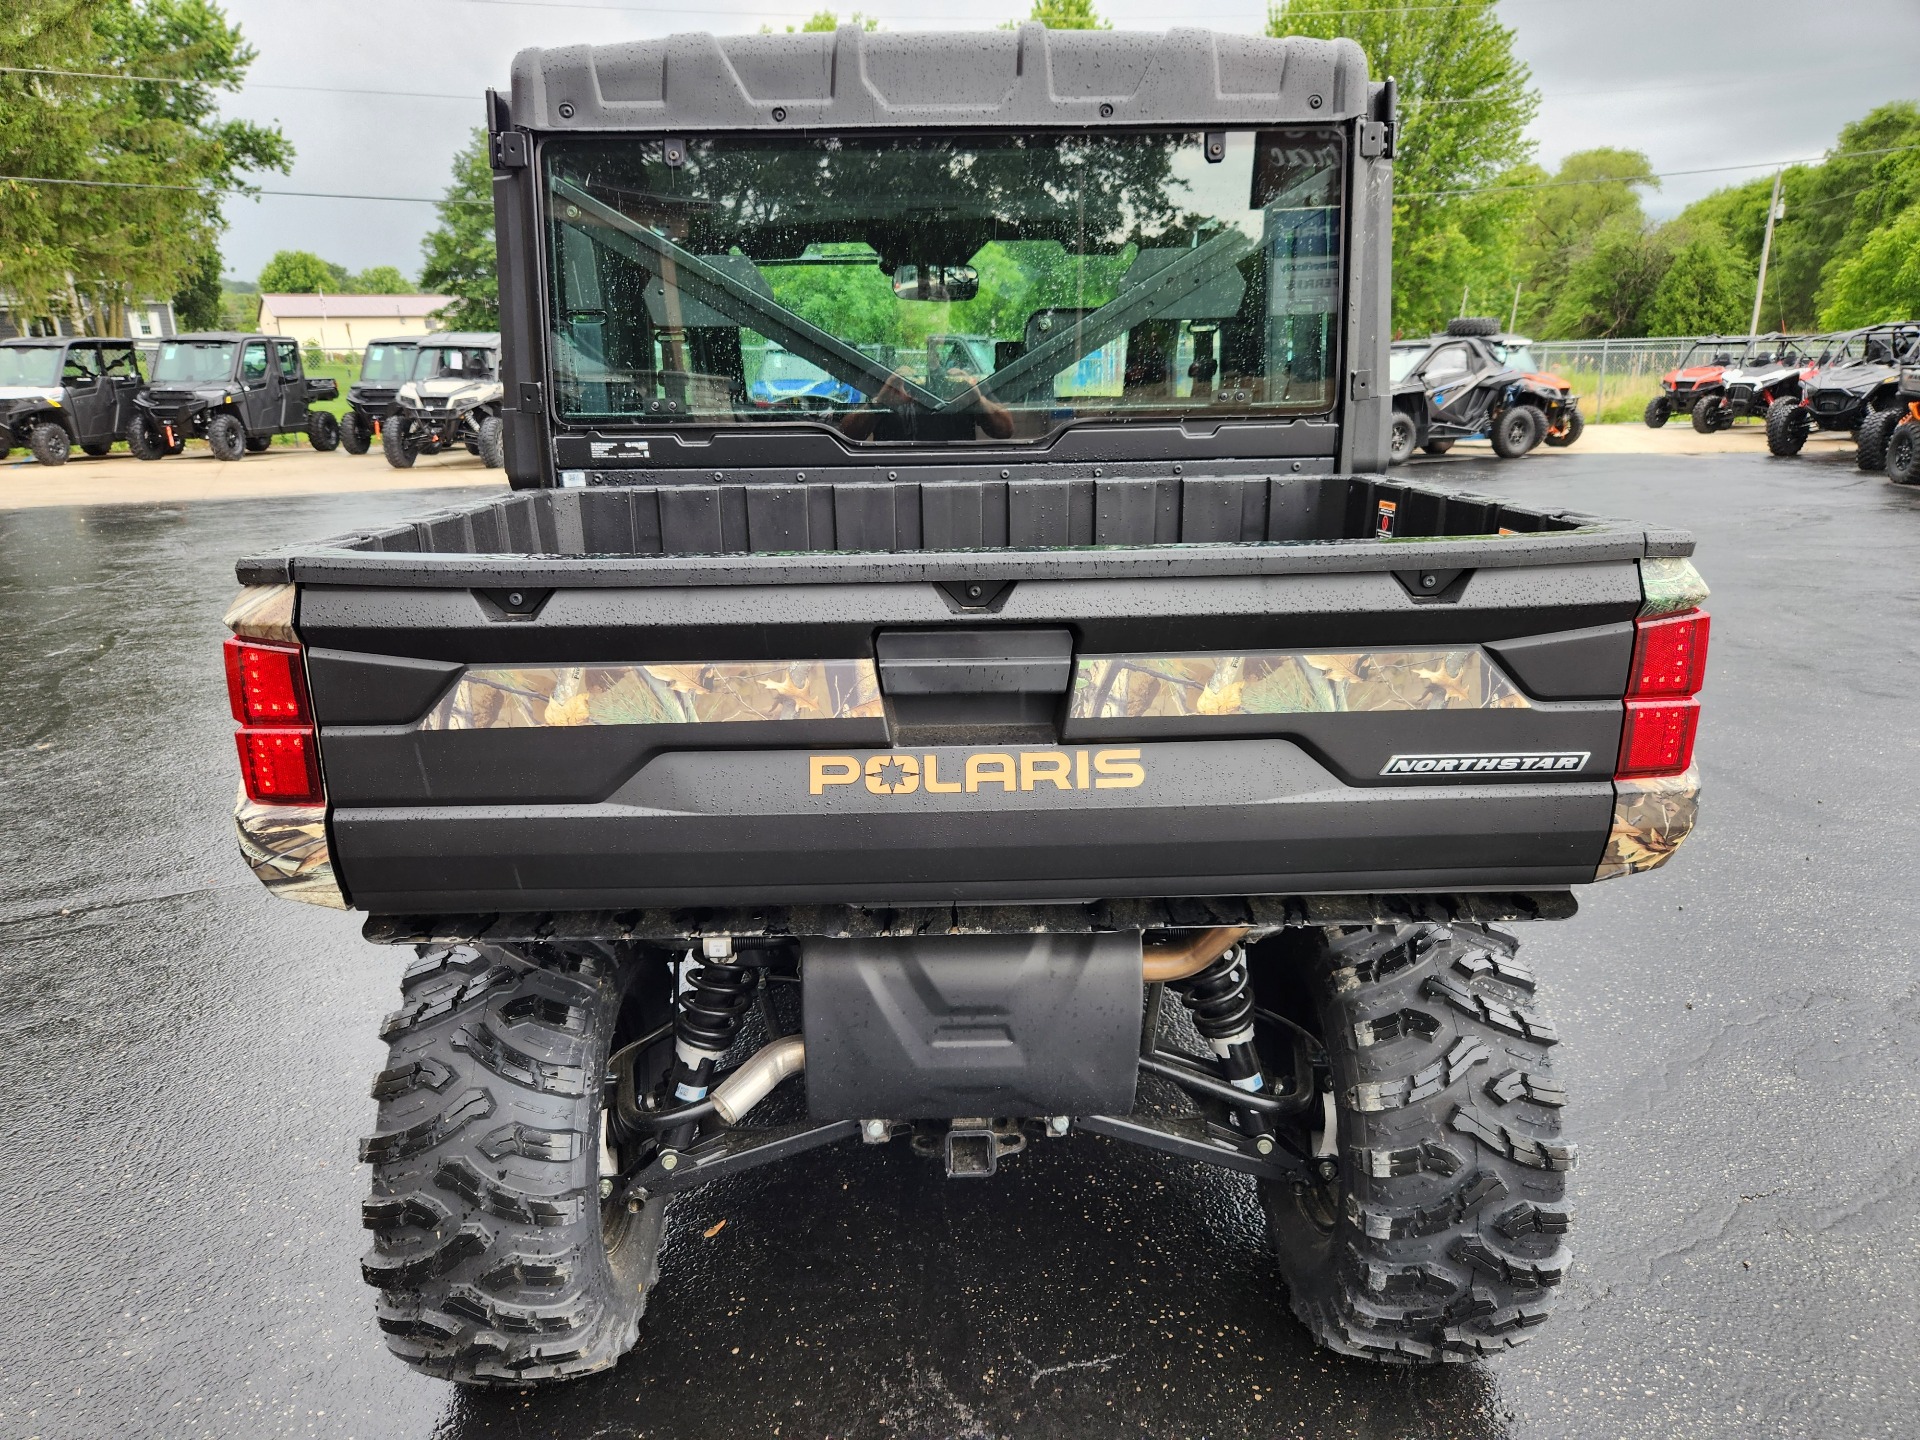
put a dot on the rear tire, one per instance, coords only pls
(355, 436)
(497, 1261)
(1440, 1239)
(225, 438)
(50, 443)
(323, 430)
(397, 442)
(1788, 425)
(1659, 411)
(493, 442)
(1402, 434)
(1903, 453)
(1870, 451)
(1517, 431)
(1575, 428)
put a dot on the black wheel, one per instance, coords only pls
(1659, 411)
(323, 430)
(1473, 325)
(1517, 431)
(1707, 415)
(1788, 425)
(259, 444)
(50, 443)
(397, 442)
(1871, 444)
(1437, 447)
(493, 442)
(498, 1259)
(355, 437)
(1436, 1232)
(225, 438)
(97, 448)
(1402, 433)
(144, 441)
(1571, 431)
(1903, 453)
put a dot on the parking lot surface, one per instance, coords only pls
(184, 1065)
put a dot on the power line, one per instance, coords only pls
(1655, 175)
(470, 97)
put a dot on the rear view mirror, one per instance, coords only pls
(936, 282)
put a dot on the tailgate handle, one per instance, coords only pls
(975, 662)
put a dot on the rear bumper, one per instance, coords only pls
(709, 828)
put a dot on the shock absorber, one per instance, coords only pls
(712, 1006)
(1220, 998)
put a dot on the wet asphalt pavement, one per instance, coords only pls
(184, 1065)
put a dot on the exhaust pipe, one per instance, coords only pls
(754, 1081)
(1183, 959)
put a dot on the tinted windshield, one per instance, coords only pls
(453, 362)
(193, 362)
(1520, 357)
(1402, 358)
(945, 287)
(387, 364)
(29, 364)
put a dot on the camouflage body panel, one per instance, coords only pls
(263, 612)
(1113, 687)
(286, 846)
(1669, 586)
(659, 695)
(1650, 819)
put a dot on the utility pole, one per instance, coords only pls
(1465, 291)
(1513, 315)
(1774, 209)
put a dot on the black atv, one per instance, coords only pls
(62, 392)
(1903, 445)
(1770, 369)
(386, 366)
(235, 391)
(1855, 387)
(1476, 383)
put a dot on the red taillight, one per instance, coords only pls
(281, 767)
(266, 683)
(1658, 738)
(1669, 655)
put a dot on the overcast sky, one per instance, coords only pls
(1699, 84)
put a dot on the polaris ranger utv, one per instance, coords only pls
(451, 397)
(1473, 382)
(235, 391)
(59, 392)
(384, 368)
(1095, 745)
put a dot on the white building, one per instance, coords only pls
(346, 322)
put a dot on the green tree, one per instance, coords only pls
(301, 272)
(380, 280)
(826, 20)
(460, 251)
(1880, 280)
(1611, 283)
(1068, 15)
(196, 304)
(157, 157)
(1590, 190)
(1466, 101)
(1705, 290)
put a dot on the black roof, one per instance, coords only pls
(1031, 77)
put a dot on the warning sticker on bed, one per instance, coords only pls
(620, 449)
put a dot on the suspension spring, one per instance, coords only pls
(712, 1007)
(1220, 998)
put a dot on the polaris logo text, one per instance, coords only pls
(899, 773)
(1555, 760)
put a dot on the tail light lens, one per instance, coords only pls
(1669, 655)
(266, 683)
(279, 751)
(1669, 667)
(281, 766)
(1658, 738)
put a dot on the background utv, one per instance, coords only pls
(1068, 731)
(234, 391)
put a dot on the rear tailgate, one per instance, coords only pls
(610, 730)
